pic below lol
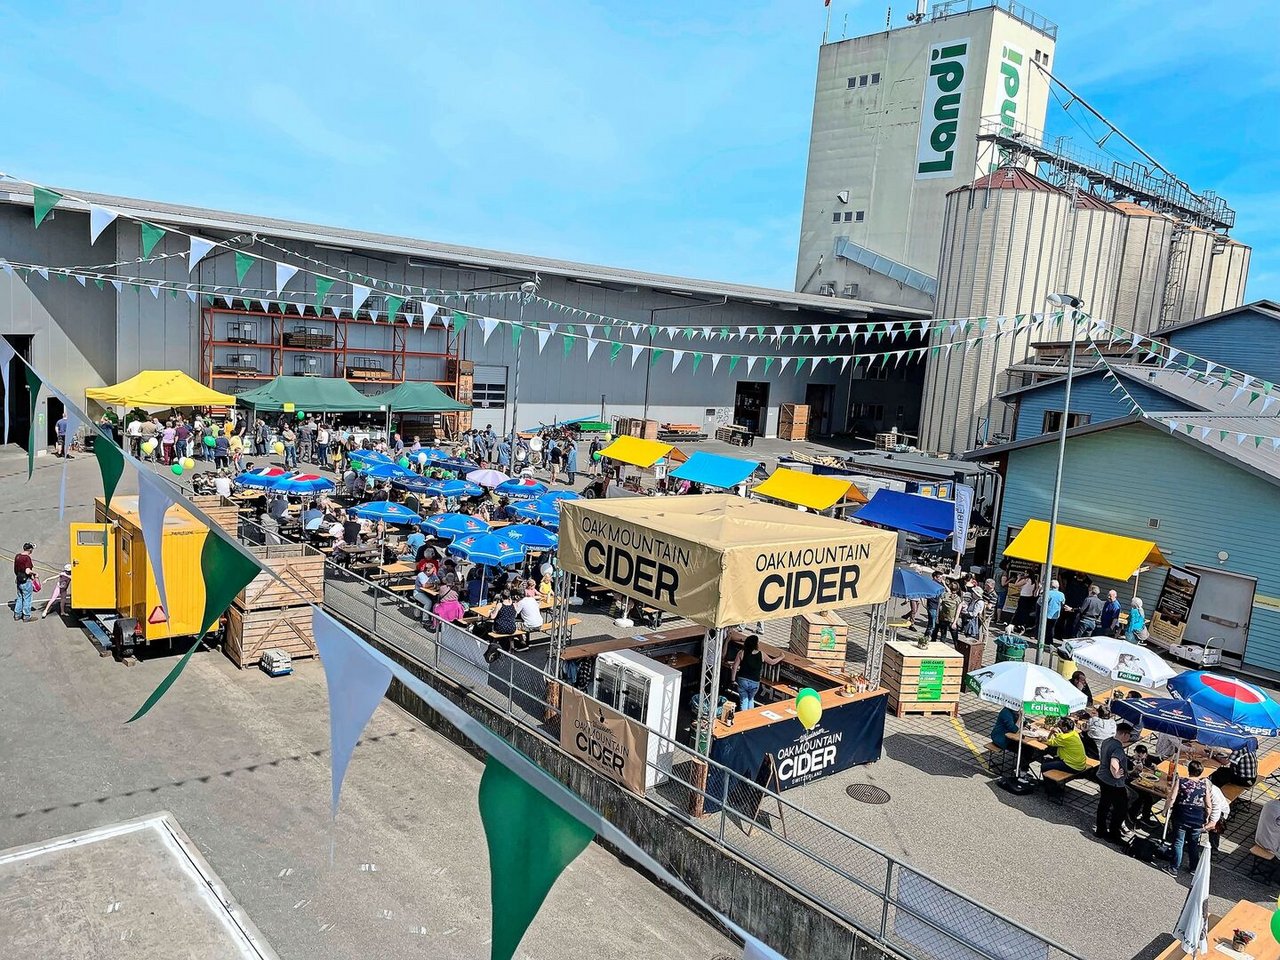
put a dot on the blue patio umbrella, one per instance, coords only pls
(395, 513)
(1184, 720)
(521, 487)
(428, 455)
(530, 536)
(456, 464)
(414, 484)
(1229, 698)
(554, 495)
(264, 477)
(539, 511)
(454, 525)
(369, 456)
(383, 471)
(298, 483)
(910, 585)
(487, 549)
(452, 489)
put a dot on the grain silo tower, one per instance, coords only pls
(1227, 275)
(1144, 266)
(1092, 252)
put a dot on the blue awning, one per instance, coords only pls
(713, 470)
(927, 516)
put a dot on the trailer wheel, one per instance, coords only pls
(123, 634)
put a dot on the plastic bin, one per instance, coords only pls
(1010, 648)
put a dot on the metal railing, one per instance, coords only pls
(1019, 11)
(872, 891)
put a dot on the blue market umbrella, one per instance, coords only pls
(452, 489)
(383, 471)
(456, 464)
(521, 487)
(369, 456)
(910, 585)
(413, 483)
(302, 483)
(396, 513)
(428, 455)
(263, 478)
(1183, 719)
(487, 549)
(556, 495)
(530, 537)
(1229, 698)
(539, 511)
(454, 525)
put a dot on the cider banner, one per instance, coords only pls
(751, 562)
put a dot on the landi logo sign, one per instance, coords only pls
(1012, 65)
(940, 111)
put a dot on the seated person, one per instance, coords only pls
(1140, 801)
(501, 628)
(1267, 835)
(1167, 746)
(222, 484)
(1081, 683)
(475, 587)
(351, 530)
(529, 612)
(1241, 769)
(1070, 749)
(1006, 723)
(279, 507)
(448, 607)
(1098, 729)
(412, 544)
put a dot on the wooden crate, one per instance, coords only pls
(901, 675)
(793, 421)
(225, 513)
(820, 636)
(249, 632)
(300, 566)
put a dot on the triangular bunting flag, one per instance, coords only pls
(654, 355)
(359, 294)
(284, 273)
(614, 350)
(7, 353)
(199, 248)
(151, 235)
(99, 219)
(751, 362)
(635, 353)
(591, 345)
(516, 332)
(110, 465)
(34, 383)
(323, 286)
(697, 359)
(715, 361)
(429, 311)
(155, 497)
(488, 325)
(393, 307)
(768, 362)
(733, 362)
(568, 339)
(676, 357)
(42, 202)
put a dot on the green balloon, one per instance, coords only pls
(1275, 924)
(176, 469)
(807, 692)
(210, 442)
(302, 415)
(404, 462)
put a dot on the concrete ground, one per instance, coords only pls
(241, 760)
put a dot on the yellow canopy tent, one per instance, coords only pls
(1088, 551)
(159, 389)
(640, 452)
(808, 490)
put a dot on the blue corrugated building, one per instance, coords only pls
(1196, 468)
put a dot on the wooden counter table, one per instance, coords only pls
(747, 720)
(1245, 915)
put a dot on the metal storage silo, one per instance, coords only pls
(1001, 247)
(1228, 272)
(1143, 268)
(1094, 244)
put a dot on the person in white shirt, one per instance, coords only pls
(1166, 746)
(1098, 730)
(529, 612)
(222, 484)
(134, 432)
(1219, 810)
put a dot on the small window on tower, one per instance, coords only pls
(848, 216)
(862, 80)
(860, 216)
(853, 82)
(835, 217)
(875, 78)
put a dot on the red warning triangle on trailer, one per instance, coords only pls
(157, 615)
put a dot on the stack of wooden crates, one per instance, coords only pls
(793, 421)
(269, 615)
(820, 637)
(922, 680)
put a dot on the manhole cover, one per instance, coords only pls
(867, 793)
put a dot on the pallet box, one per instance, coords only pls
(922, 680)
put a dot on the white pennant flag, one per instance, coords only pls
(1239, 438)
(7, 354)
(99, 219)
(783, 365)
(815, 361)
(80, 279)
(552, 327)
(635, 354)
(488, 325)
(118, 285)
(191, 295)
(265, 305)
(284, 273)
(676, 357)
(706, 333)
(592, 343)
(154, 499)
(226, 298)
(1173, 426)
(1266, 404)
(591, 330)
(199, 248)
(1204, 433)
(779, 331)
(1236, 396)
(373, 314)
(155, 291)
(751, 362)
(844, 362)
(715, 361)
(359, 294)
(429, 310)
(543, 337)
(1275, 443)
(43, 271)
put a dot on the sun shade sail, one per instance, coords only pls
(1088, 551)
(160, 389)
(927, 516)
(637, 451)
(320, 394)
(808, 490)
(419, 397)
(721, 560)
(712, 470)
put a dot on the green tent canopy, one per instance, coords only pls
(312, 394)
(419, 397)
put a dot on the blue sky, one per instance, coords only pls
(661, 135)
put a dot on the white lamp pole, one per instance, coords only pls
(1073, 304)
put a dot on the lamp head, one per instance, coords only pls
(1065, 300)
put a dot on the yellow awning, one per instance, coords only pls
(637, 451)
(1088, 551)
(808, 490)
(159, 389)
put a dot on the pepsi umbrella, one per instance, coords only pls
(455, 525)
(530, 537)
(452, 489)
(1241, 703)
(303, 483)
(521, 487)
(263, 477)
(487, 478)
(1184, 720)
(910, 585)
(487, 549)
(395, 513)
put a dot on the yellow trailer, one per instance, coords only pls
(112, 572)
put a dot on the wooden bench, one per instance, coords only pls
(1268, 764)
(544, 632)
(1060, 778)
(399, 587)
(1234, 791)
(997, 756)
(1263, 863)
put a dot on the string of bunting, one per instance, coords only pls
(534, 825)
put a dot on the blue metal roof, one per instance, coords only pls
(713, 470)
(928, 516)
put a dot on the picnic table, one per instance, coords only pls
(388, 571)
(1245, 915)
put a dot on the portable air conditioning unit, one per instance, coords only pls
(647, 692)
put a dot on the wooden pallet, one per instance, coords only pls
(923, 708)
(300, 566)
(225, 513)
(249, 632)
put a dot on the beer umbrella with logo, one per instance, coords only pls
(1231, 699)
(302, 483)
(453, 489)
(531, 537)
(368, 456)
(487, 550)
(391, 513)
(1121, 660)
(381, 471)
(450, 525)
(539, 510)
(1030, 689)
(521, 487)
(263, 478)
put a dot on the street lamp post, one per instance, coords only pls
(1073, 304)
(527, 291)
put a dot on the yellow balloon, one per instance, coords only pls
(278, 447)
(188, 463)
(809, 710)
(149, 446)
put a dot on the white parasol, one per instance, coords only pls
(1030, 689)
(1192, 930)
(1121, 660)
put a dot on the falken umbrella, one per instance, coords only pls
(487, 478)
(909, 585)
(454, 525)
(1192, 930)
(302, 483)
(387, 512)
(263, 477)
(1027, 688)
(530, 536)
(521, 487)
(1121, 660)
(1231, 699)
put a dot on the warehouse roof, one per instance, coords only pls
(1267, 308)
(214, 222)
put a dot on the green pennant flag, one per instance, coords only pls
(60, 276)
(1267, 386)
(653, 332)
(151, 235)
(43, 201)
(1253, 395)
(1222, 434)
(34, 383)
(614, 350)
(568, 344)
(226, 571)
(99, 283)
(697, 359)
(760, 331)
(768, 362)
(110, 465)
(516, 332)
(243, 262)
(654, 355)
(393, 307)
(1190, 427)
(688, 333)
(733, 362)
(531, 840)
(459, 320)
(1257, 441)
(135, 288)
(934, 350)
(323, 286)
(796, 330)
